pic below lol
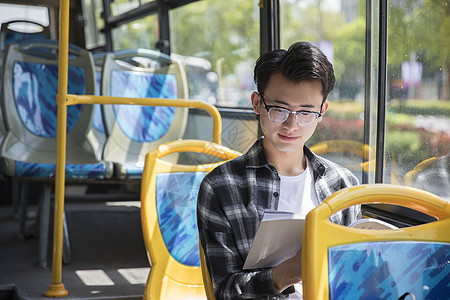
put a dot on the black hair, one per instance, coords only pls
(301, 62)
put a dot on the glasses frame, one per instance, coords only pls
(269, 107)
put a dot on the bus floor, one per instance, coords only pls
(108, 257)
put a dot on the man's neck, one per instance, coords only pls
(286, 163)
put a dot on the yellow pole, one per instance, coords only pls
(56, 288)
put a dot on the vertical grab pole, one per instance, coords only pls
(56, 288)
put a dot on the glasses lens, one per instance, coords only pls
(278, 115)
(305, 118)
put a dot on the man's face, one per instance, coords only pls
(288, 136)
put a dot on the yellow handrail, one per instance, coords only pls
(56, 288)
(212, 110)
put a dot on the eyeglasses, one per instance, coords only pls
(280, 114)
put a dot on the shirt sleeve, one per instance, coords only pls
(222, 256)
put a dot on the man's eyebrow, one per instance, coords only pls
(281, 102)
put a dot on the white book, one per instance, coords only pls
(278, 238)
(371, 224)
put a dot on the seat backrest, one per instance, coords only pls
(169, 219)
(2, 122)
(202, 80)
(348, 263)
(28, 98)
(350, 147)
(97, 122)
(20, 31)
(432, 175)
(133, 130)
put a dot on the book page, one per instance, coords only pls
(278, 238)
(371, 224)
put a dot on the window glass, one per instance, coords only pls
(93, 23)
(219, 42)
(418, 101)
(121, 6)
(137, 34)
(10, 12)
(338, 28)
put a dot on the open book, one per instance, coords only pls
(280, 236)
(372, 224)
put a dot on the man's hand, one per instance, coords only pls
(288, 272)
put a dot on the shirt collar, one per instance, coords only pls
(255, 157)
(317, 165)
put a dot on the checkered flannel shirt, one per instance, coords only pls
(231, 203)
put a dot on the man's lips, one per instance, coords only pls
(287, 138)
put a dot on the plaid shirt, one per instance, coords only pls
(231, 203)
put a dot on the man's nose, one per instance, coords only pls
(291, 121)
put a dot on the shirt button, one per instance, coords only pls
(275, 194)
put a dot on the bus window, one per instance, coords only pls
(418, 100)
(141, 33)
(93, 23)
(226, 35)
(339, 30)
(10, 12)
(122, 6)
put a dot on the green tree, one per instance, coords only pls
(420, 28)
(220, 31)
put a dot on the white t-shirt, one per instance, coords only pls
(298, 195)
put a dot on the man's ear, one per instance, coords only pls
(256, 101)
(324, 109)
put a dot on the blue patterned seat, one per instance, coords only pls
(28, 150)
(133, 130)
(9, 33)
(388, 270)
(169, 219)
(340, 262)
(97, 122)
(29, 98)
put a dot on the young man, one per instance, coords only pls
(278, 172)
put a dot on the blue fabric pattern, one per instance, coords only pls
(41, 170)
(98, 119)
(387, 270)
(13, 37)
(143, 123)
(176, 206)
(98, 78)
(35, 88)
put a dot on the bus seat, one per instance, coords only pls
(28, 96)
(169, 219)
(351, 147)
(98, 124)
(202, 80)
(20, 31)
(133, 130)
(29, 90)
(432, 175)
(2, 118)
(339, 262)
